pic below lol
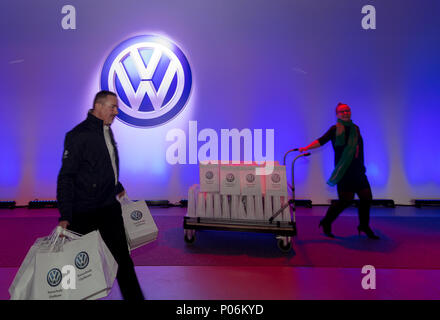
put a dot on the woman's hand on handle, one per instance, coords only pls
(313, 145)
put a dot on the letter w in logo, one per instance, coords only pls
(145, 74)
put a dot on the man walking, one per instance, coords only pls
(88, 184)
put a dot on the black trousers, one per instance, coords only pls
(347, 188)
(108, 220)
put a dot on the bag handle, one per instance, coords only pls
(55, 235)
(68, 233)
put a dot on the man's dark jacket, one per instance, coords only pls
(86, 180)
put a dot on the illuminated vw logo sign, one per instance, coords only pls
(54, 277)
(136, 215)
(82, 260)
(151, 77)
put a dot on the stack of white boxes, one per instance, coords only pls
(236, 192)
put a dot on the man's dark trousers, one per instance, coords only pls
(108, 220)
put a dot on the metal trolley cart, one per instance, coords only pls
(284, 231)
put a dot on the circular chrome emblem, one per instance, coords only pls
(151, 77)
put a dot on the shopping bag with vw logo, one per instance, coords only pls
(250, 181)
(140, 227)
(209, 177)
(21, 287)
(89, 261)
(47, 278)
(230, 180)
(94, 264)
(276, 182)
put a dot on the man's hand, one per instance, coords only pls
(120, 195)
(123, 198)
(64, 224)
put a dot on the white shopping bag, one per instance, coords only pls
(20, 288)
(250, 181)
(95, 266)
(140, 227)
(209, 177)
(52, 268)
(230, 180)
(276, 182)
(47, 278)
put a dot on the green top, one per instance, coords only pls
(348, 153)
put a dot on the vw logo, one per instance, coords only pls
(136, 215)
(209, 175)
(82, 260)
(276, 178)
(151, 77)
(230, 177)
(54, 277)
(250, 178)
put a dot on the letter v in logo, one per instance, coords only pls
(151, 77)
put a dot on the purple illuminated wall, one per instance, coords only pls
(279, 65)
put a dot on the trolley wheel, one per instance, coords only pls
(284, 244)
(190, 236)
